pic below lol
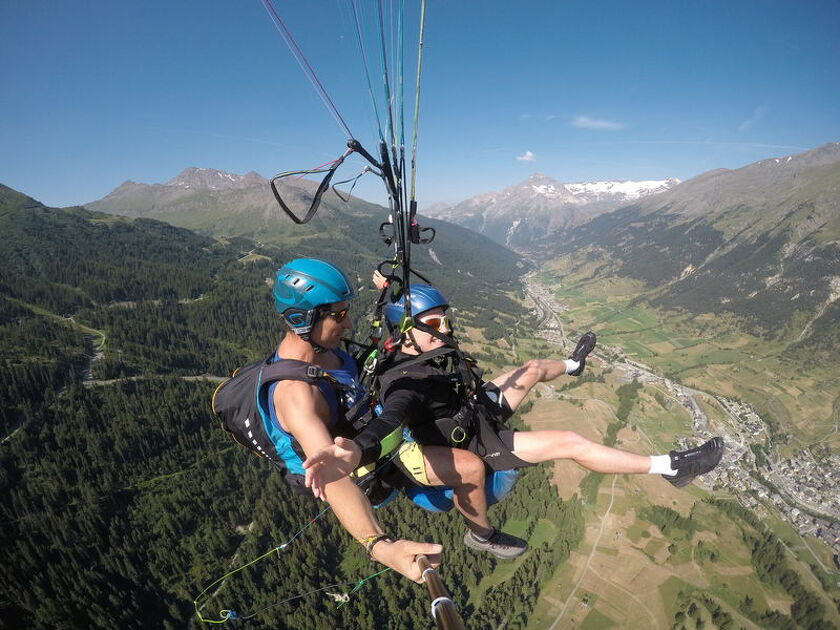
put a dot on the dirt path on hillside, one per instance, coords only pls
(587, 568)
(145, 377)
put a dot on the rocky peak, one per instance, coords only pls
(210, 179)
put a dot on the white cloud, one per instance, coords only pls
(527, 157)
(586, 122)
(758, 114)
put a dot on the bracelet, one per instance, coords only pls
(364, 541)
(369, 544)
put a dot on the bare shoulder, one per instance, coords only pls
(298, 395)
(300, 407)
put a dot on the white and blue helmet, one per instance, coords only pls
(423, 298)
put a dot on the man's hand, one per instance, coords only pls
(379, 280)
(331, 463)
(401, 556)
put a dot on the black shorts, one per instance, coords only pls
(493, 441)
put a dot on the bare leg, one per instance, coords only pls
(516, 384)
(542, 446)
(464, 472)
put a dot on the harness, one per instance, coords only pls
(455, 419)
(243, 406)
(460, 409)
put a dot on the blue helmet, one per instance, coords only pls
(423, 298)
(304, 284)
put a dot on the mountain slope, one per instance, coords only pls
(761, 242)
(243, 206)
(48, 255)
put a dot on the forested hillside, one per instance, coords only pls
(122, 499)
(758, 244)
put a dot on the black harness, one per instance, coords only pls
(239, 405)
(454, 389)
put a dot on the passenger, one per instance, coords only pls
(443, 411)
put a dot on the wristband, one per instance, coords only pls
(369, 544)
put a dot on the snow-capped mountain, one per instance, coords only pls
(210, 179)
(590, 192)
(518, 215)
(761, 242)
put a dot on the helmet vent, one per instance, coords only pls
(305, 283)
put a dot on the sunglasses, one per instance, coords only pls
(439, 322)
(338, 316)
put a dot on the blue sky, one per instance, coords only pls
(99, 92)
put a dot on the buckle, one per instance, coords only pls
(370, 365)
(313, 371)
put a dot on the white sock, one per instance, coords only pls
(661, 465)
(571, 366)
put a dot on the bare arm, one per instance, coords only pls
(302, 410)
(343, 456)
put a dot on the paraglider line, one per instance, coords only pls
(305, 66)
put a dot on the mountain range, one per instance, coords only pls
(225, 205)
(760, 242)
(541, 206)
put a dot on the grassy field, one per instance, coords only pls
(627, 573)
(709, 353)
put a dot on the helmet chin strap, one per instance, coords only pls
(305, 336)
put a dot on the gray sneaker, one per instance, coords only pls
(498, 543)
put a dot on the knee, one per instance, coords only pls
(534, 370)
(571, 444)
(470, 469)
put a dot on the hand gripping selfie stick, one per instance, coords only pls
(443, 610)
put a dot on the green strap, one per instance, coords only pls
(226, 615)
(361, 583)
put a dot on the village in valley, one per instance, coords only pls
(803, 491)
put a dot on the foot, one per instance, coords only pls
(696, 461)
(498, 543)
(582, 350)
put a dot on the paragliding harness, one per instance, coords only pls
(474, 426)
(236, 403)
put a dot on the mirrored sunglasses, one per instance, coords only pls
(439, 322)
(338, 316)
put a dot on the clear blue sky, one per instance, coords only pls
(98, 92)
